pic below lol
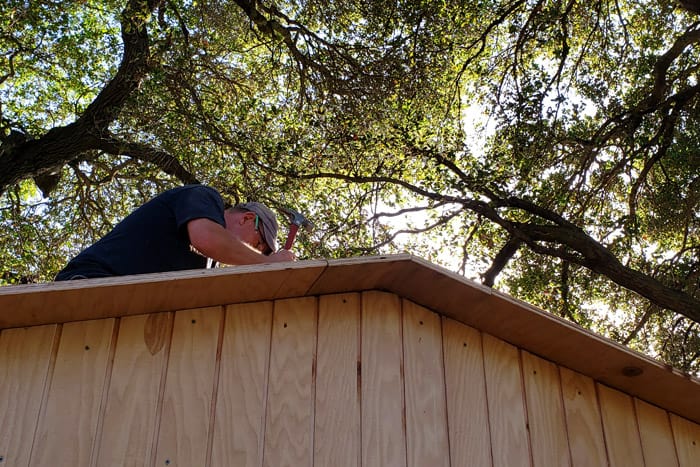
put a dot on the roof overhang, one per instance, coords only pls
(442, 291)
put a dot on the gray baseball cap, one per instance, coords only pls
(268, 219)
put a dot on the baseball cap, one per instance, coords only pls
(268, 219)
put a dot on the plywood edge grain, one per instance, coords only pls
(60, 302)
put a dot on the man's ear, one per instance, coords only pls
(247, 216)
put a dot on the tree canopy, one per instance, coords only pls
(545, 148)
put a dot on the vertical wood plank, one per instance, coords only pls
(687, 437)
(337, 420)
(132, 402)
(656, 435)
(383, 429)
(289, 423)
(583, 420)
(470, 442)
(68, 425)
(545, 410)
(25, 354)
(240, 409)
(185, 420)
(426, 413)
(506, 404)
(620, 428)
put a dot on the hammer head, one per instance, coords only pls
(298, 219)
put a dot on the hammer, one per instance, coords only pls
(296, 220)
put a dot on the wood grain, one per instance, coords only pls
(68, 425)
(426, 412)
(504, 391)
(470, 440)
(656, 435)
(545, 413)
(383, 429)
(620, 428)
(513, 321)
(66, 301)
(25, 354)
(289, 418)
(240, 407)
(687, 437)
(186, 410)
(337, 420)
(583, 420)
(131, 409)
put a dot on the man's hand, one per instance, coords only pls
(281, 255)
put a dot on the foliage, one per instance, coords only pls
(546, 148)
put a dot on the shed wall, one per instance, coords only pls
(365, 379)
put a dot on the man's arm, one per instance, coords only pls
(217, 243)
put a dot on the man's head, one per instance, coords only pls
(261, 219)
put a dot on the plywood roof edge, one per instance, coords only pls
(21, 289)
(495, 295)
(59, 302)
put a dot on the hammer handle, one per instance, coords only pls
(290, 238)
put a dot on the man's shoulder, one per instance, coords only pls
(193, 201)
(193, 188)
(190, 192)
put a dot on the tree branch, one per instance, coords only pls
(500, 261)
(662, 65)
(692, 6)
(61, 145)
(640, 325)
(599, 259)
(559, 232)
(165, 161)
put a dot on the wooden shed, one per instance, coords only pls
(384, 361)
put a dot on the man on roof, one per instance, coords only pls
(182, 228)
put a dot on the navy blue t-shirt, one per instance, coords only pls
(153, 238)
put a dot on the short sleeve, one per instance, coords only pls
(198, 202)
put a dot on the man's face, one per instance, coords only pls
(247, 227)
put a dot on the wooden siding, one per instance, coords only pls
(449, 294)
(353, 379)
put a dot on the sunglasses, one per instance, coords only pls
(258, 228)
